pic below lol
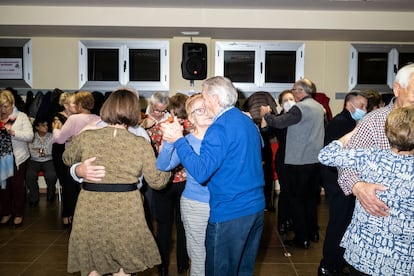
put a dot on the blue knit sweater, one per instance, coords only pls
(230, 164)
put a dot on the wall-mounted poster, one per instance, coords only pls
(11, 68)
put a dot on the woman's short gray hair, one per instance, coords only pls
(159, 97)
(223, 88)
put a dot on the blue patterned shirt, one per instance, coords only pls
(379, 245)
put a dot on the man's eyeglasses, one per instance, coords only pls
(199, 111)
(297, 89)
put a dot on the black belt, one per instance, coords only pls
(109, 187)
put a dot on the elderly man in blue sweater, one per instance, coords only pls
(230, 164)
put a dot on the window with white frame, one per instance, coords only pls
(104, 65)
(254, 66)
(16, 63)
(374, 66)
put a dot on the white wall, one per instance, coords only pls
(55, 61)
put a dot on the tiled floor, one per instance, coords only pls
(39, 247)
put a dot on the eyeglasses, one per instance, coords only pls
(199, 111)
(159, 111)
(297, 89)
(158, 108)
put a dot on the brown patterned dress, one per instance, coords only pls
(109, 228)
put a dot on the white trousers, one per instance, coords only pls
(195, 215)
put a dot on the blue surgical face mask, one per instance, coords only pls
(358, 114)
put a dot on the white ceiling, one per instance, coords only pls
(368, 5)
(219, 33)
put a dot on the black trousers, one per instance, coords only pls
(70, 193)
(70, 188)
(167, 210)
(341, 208)
(269, 187)
(303, 184)
(283, 206)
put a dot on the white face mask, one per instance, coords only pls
(288, 105)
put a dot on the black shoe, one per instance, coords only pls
(162, 271)
(298, 244)
(182, 269)
(322, 271)
(282, 229)
(67, 223)
(285, 227)
(34, 204)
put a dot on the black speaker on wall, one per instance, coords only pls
(194, 62)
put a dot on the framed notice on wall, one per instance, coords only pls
(11, 68)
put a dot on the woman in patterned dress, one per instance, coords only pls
(109, 233)
(381, 245)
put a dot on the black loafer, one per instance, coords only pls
(298, 244)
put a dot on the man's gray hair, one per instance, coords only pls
(404, 74)
(307, 85)
(223, 88)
